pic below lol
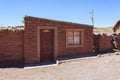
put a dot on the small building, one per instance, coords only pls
(116, 27)
(46, 39)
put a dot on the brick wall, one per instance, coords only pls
(87, 41)
(30, 38)
(105, 42)
(11, 45)
(18, 45)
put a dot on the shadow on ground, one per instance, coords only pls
(18, 64)
(11, 64)
(40, 64)
(87, 55)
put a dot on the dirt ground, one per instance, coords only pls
(98, 68)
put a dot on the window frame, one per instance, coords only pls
(74, 30)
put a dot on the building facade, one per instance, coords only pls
(46, 39)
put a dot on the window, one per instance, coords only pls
(74, 37)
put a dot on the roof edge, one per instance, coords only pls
(116, 24)
(60, 21)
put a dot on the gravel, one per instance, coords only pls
(106, 67)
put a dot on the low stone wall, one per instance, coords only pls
(105, 42)
(102, 42)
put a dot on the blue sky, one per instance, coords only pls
(106, 12)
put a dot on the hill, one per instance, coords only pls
(107, 30)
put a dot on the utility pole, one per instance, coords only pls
(92, 17)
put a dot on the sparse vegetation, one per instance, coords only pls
(107, 30)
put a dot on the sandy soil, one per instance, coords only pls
(98, 68)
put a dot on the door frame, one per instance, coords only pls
(38, 41)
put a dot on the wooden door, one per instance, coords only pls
(46, 44)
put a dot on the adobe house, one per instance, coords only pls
(116, 27)
(46, 39)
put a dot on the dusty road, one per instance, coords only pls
(98, 68)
